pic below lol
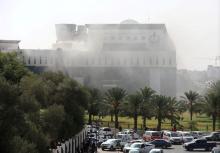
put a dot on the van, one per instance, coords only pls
(173, 137)
(106, 131)
(151, 135)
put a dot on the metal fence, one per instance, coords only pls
(73, 144)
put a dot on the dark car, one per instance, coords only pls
(161, 143)
(214, 136)
(199, 144)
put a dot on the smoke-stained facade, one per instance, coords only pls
(129, 55)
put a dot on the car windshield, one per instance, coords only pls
(174, 134)
(187, 134)
(119, 136)
(127, 144)
(110, 140)
(107, 129)
(156, 134)
(136, 145)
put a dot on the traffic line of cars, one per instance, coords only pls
(153, 141)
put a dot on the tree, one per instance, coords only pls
(115, 96)
(211, 104)
(173, 110)
(191, 98)
(146, 105)
(134, 106)
(74, 98)
(160, 105)
(52, 119)
(93, 103)
(11, 67)
(11, 117)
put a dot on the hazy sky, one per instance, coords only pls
(194, 25)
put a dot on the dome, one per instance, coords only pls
(129, 21)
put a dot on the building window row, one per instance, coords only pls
(133, 61)
(126, 38)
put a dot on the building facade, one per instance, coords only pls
(130, 55)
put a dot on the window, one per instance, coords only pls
(151, 62)
(51, 61)
(34, 60)
(112, 37)
(29, 60)
(45, 60)
(143, 37)
(164, 62)
(137, 61)
(170, 61)
(120, 38)
(40, 59)
(144, 61)
(125, 61)
(135, 38)
(128, 38)
(157, 62)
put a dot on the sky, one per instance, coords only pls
(193, 25)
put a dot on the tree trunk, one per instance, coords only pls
(112, 117)
(159, 124)
(191, 113)
(135, 121)
(213, 122)
(144, 122)
(90, 118)
(116, 119)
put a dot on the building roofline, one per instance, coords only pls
(9, 41)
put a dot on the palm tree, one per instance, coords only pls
(173, 110)
(190, 98)
(134, 106)
(211, 108)
(160, 105)
(93, 103)
(115, 96)
(145, 109)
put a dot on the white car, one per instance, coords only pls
(156, 151)
(127, 145)
(105, 131)
(139, 147)
(173, 137)
(186, 136)
(216, 150)
(111, 144)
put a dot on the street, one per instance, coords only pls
(173, 149)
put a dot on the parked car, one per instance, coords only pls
(156, 151)
(161, 143)
(173, 137)
(214, 136)
(216, 150)
(197, 134)
(151, 135)
(139, 147)
(199, 144)
(186, 136)
(105, 131)
(111, 144)
(127, 145)
(125, 138)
